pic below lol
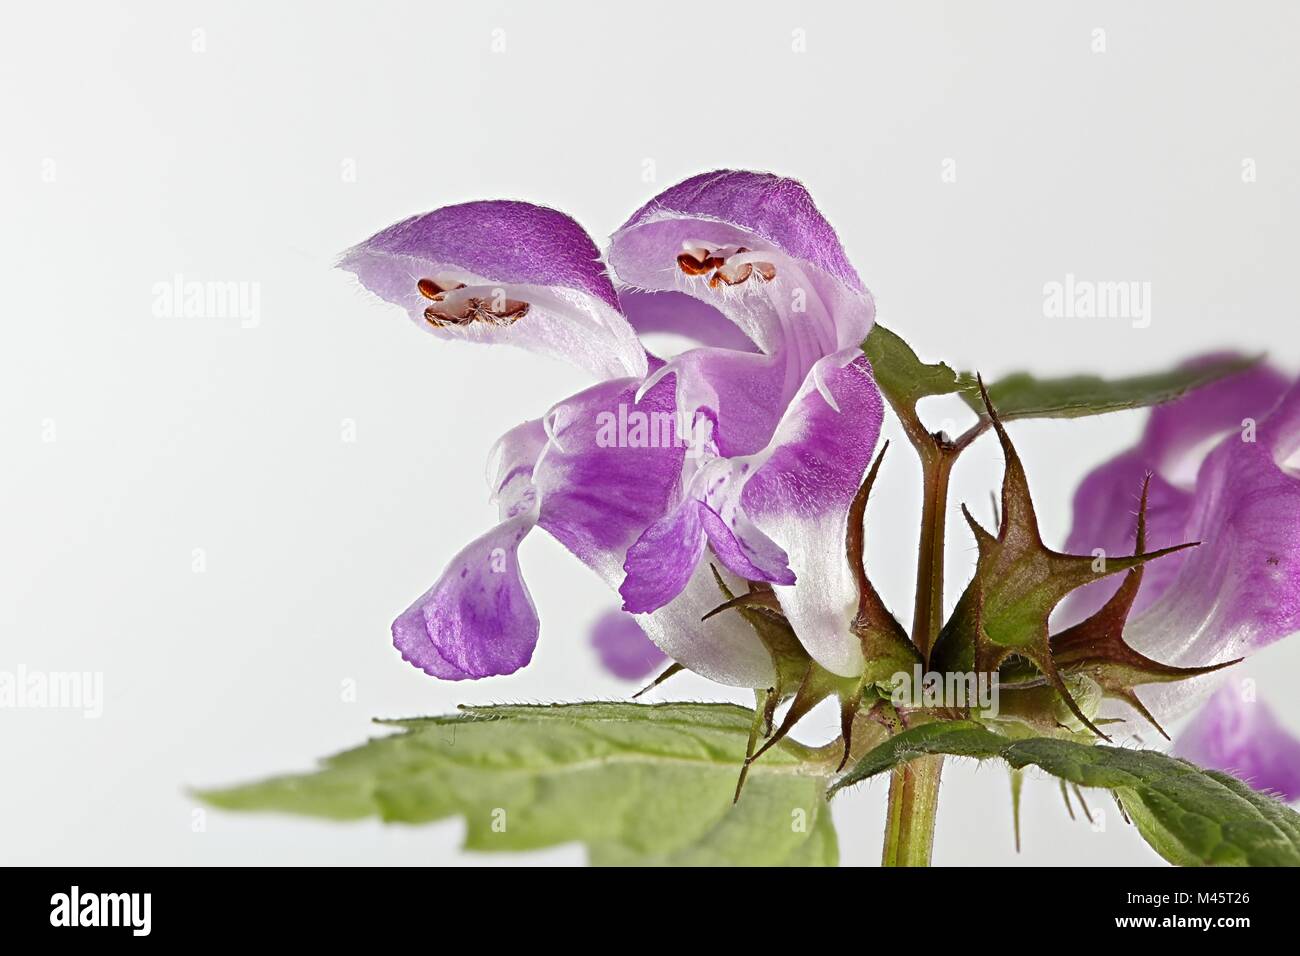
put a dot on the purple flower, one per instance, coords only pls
(502, 272)
(1223, 462)
(750, 445)
(624, 649)
(1241, 736)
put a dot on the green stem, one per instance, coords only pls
(914, 789)
(913, 801)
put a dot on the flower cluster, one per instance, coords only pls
(776, 416)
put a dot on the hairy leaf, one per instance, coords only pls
(1023, 396)
(905, 379)
(1191, 817)
(637, 783)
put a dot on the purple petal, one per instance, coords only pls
(675, 313)
(743, 393)
(1240, 735)
(602, 485)
(1176, 435)
(598, 497)
(479, 619)
(777, 210)
(505, 252)
(624, 649)
(1171, 449)
(811, 303)
(744, 550)
(800, 498)
(1240, 589)
(662, 560)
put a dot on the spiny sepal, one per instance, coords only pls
(886, 648)
(761, 610)
(1096, 647)
(1018, 582)
(799, 678)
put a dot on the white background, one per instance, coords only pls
(228, 164)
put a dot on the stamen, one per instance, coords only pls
(697, 262)
(729, 265)
(731, 274)
(510, 312)
(465, 310)
(439, 315)
(435, 291)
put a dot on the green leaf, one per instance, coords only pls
(1023, 396)
(905, 379)
(637, 783)
(1191, 817)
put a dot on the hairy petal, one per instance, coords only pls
(770, 208)
(800, 497)
(1172, 448)
(661, 562)
(504, 254)
(1243, 737)
(676, 313)
(1239, 591)
(801, 300)
(598, 497)
(478, 620)
(743, 549)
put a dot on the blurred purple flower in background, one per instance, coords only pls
(622, 646)
(1224, 471)
(1240, 735)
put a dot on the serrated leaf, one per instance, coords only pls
(637, 783)
(1191, 817)
(1021, 395)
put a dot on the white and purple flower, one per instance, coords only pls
(745, 265)
(1224, 466)
(773, 416)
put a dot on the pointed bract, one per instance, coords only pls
(1018, 582)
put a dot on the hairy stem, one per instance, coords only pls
(913, 800)
(914, 789)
